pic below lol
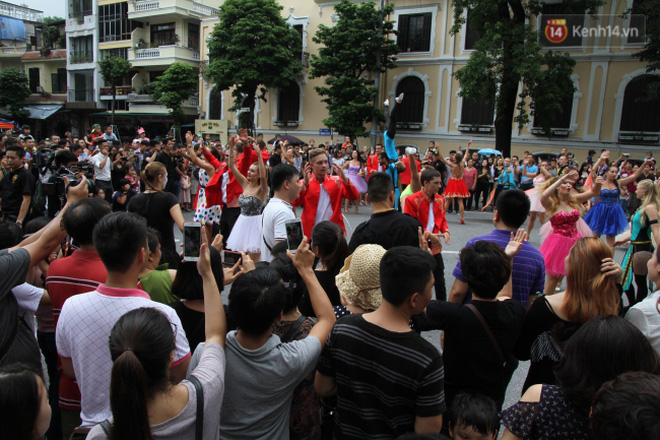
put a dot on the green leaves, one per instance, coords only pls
(253, 46)
(178, 83)
(14, 91)
(114, 69)
(352, 52)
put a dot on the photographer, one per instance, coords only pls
(121, 198)
(54, 186)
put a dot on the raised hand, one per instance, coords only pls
(515, 243)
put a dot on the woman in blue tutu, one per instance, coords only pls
(606, 217)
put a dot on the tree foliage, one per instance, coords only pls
(253, 49)
(351, 53)
(53, 38)
(651, 51)
(178, 83)
(508, 54)
(14, 91)
(113, 70)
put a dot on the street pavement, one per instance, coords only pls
(476, 223)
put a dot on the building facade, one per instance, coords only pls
(604, 111)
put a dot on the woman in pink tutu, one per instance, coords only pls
(564, 211)
(536, 209)
(355, 171)
(456, 188)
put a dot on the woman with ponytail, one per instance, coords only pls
(144, 403)
(592, 289)
(161, 209)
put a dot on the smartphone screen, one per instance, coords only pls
(294, 234)
(192, 240)
(230, 258)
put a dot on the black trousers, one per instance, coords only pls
(227, 222)
(439, 274)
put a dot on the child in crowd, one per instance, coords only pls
(184, 196)
(473, 417)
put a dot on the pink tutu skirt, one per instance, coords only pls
(534, 195)
(456, 188)
(556, 247)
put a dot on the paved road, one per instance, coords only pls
(476, 223)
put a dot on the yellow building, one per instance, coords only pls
(604, 111)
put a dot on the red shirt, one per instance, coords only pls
(417, 205)
(81, 272)
(404, 177)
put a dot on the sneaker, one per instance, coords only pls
(386, 103)
(399, 98)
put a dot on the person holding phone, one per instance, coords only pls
(246, 234)
(321, 193)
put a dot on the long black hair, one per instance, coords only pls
(333, 249)
(141, 343)
(19, 401)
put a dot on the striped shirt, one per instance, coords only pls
(384, 379)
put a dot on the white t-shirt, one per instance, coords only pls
(430, 224)
(646, 318)
(28, 298)
(275, 214)
(324, 209)
(82, 336)
(101, 173)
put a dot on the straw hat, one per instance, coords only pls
(359, 280)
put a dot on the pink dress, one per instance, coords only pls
(558, 244)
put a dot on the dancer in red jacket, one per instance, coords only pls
(321, 194)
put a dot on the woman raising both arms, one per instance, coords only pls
(564, 211)
(246, 233)
(456, 187)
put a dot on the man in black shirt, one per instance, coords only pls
(167, 158)
(16, 188)
(386, 227)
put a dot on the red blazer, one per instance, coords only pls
(309, 200)
(404, 177)
(213, 189)
(417, 205)
(373, 165)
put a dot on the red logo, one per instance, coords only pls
(556, 30)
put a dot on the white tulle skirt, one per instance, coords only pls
(246, 234)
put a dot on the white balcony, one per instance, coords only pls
(162, 55)
(152, 8)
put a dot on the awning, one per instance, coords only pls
(43, 111)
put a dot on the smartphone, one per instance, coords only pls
(192, 240)
(294, 234)
(230, 258)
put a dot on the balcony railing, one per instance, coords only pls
(80, 57)
(81, 95)
(194, 101)
(205, 10)
(166, 51)
(146, 6)
(150, 5)
(79, 15)
(147, 53)
(13, 50)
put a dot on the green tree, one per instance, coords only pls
(114, 70)
(178, 83)
(508, 54)
(14, 91)
(53, 38)
(651, 51)
(352, 52)
(253, 49)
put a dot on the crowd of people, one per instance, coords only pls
(109, 334)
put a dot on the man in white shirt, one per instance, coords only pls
(102, 168)
(86, 320)
(284, 179)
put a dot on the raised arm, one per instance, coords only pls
(190, 153)
(626, 180)
(442, 158)
(262, 171)
(415, 179)
(595, 189)
(303, 260)
(234, 169)
(545, 197)
(215, 324)
(467, 151)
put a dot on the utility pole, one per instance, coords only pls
(374, 120)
